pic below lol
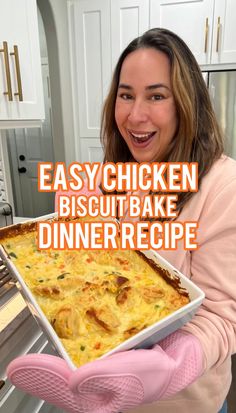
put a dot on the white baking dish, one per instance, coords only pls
(144, 338)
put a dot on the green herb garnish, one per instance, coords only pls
(61, 276)
(13, 255)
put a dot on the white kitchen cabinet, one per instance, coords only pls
(99, 31)
(207, 26)
(21, 91)
(192, 20)
(129, 19)
(90, 48)
(224, 32)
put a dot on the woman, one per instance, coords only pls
(158, 109)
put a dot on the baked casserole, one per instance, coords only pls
(94, 299)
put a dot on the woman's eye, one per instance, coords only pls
(125, 96)
(157, 97)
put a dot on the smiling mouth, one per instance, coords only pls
(141, 137)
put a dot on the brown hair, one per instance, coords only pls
(198, 137)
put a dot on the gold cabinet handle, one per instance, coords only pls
(7, 69)
(206, 34)
(18, 75)
(218, 35)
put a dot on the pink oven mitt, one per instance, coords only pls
(115, 383)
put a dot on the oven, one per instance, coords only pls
(19, 334)
(6, 217)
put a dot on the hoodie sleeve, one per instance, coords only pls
(213, 269)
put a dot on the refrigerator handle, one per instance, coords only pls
(205, 77)
(212, 90)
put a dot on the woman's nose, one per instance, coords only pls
(138, 112)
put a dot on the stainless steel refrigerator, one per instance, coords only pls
(222, 89)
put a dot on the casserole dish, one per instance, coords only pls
(94, 303)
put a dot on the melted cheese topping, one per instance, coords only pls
(93, 299)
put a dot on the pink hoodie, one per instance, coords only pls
(213, 268)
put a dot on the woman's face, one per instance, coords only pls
(145, 110)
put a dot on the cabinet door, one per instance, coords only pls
(19, 27)
(224, 32)
(190, 19)
(129, 19)
(89, 26)
(91, 150)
